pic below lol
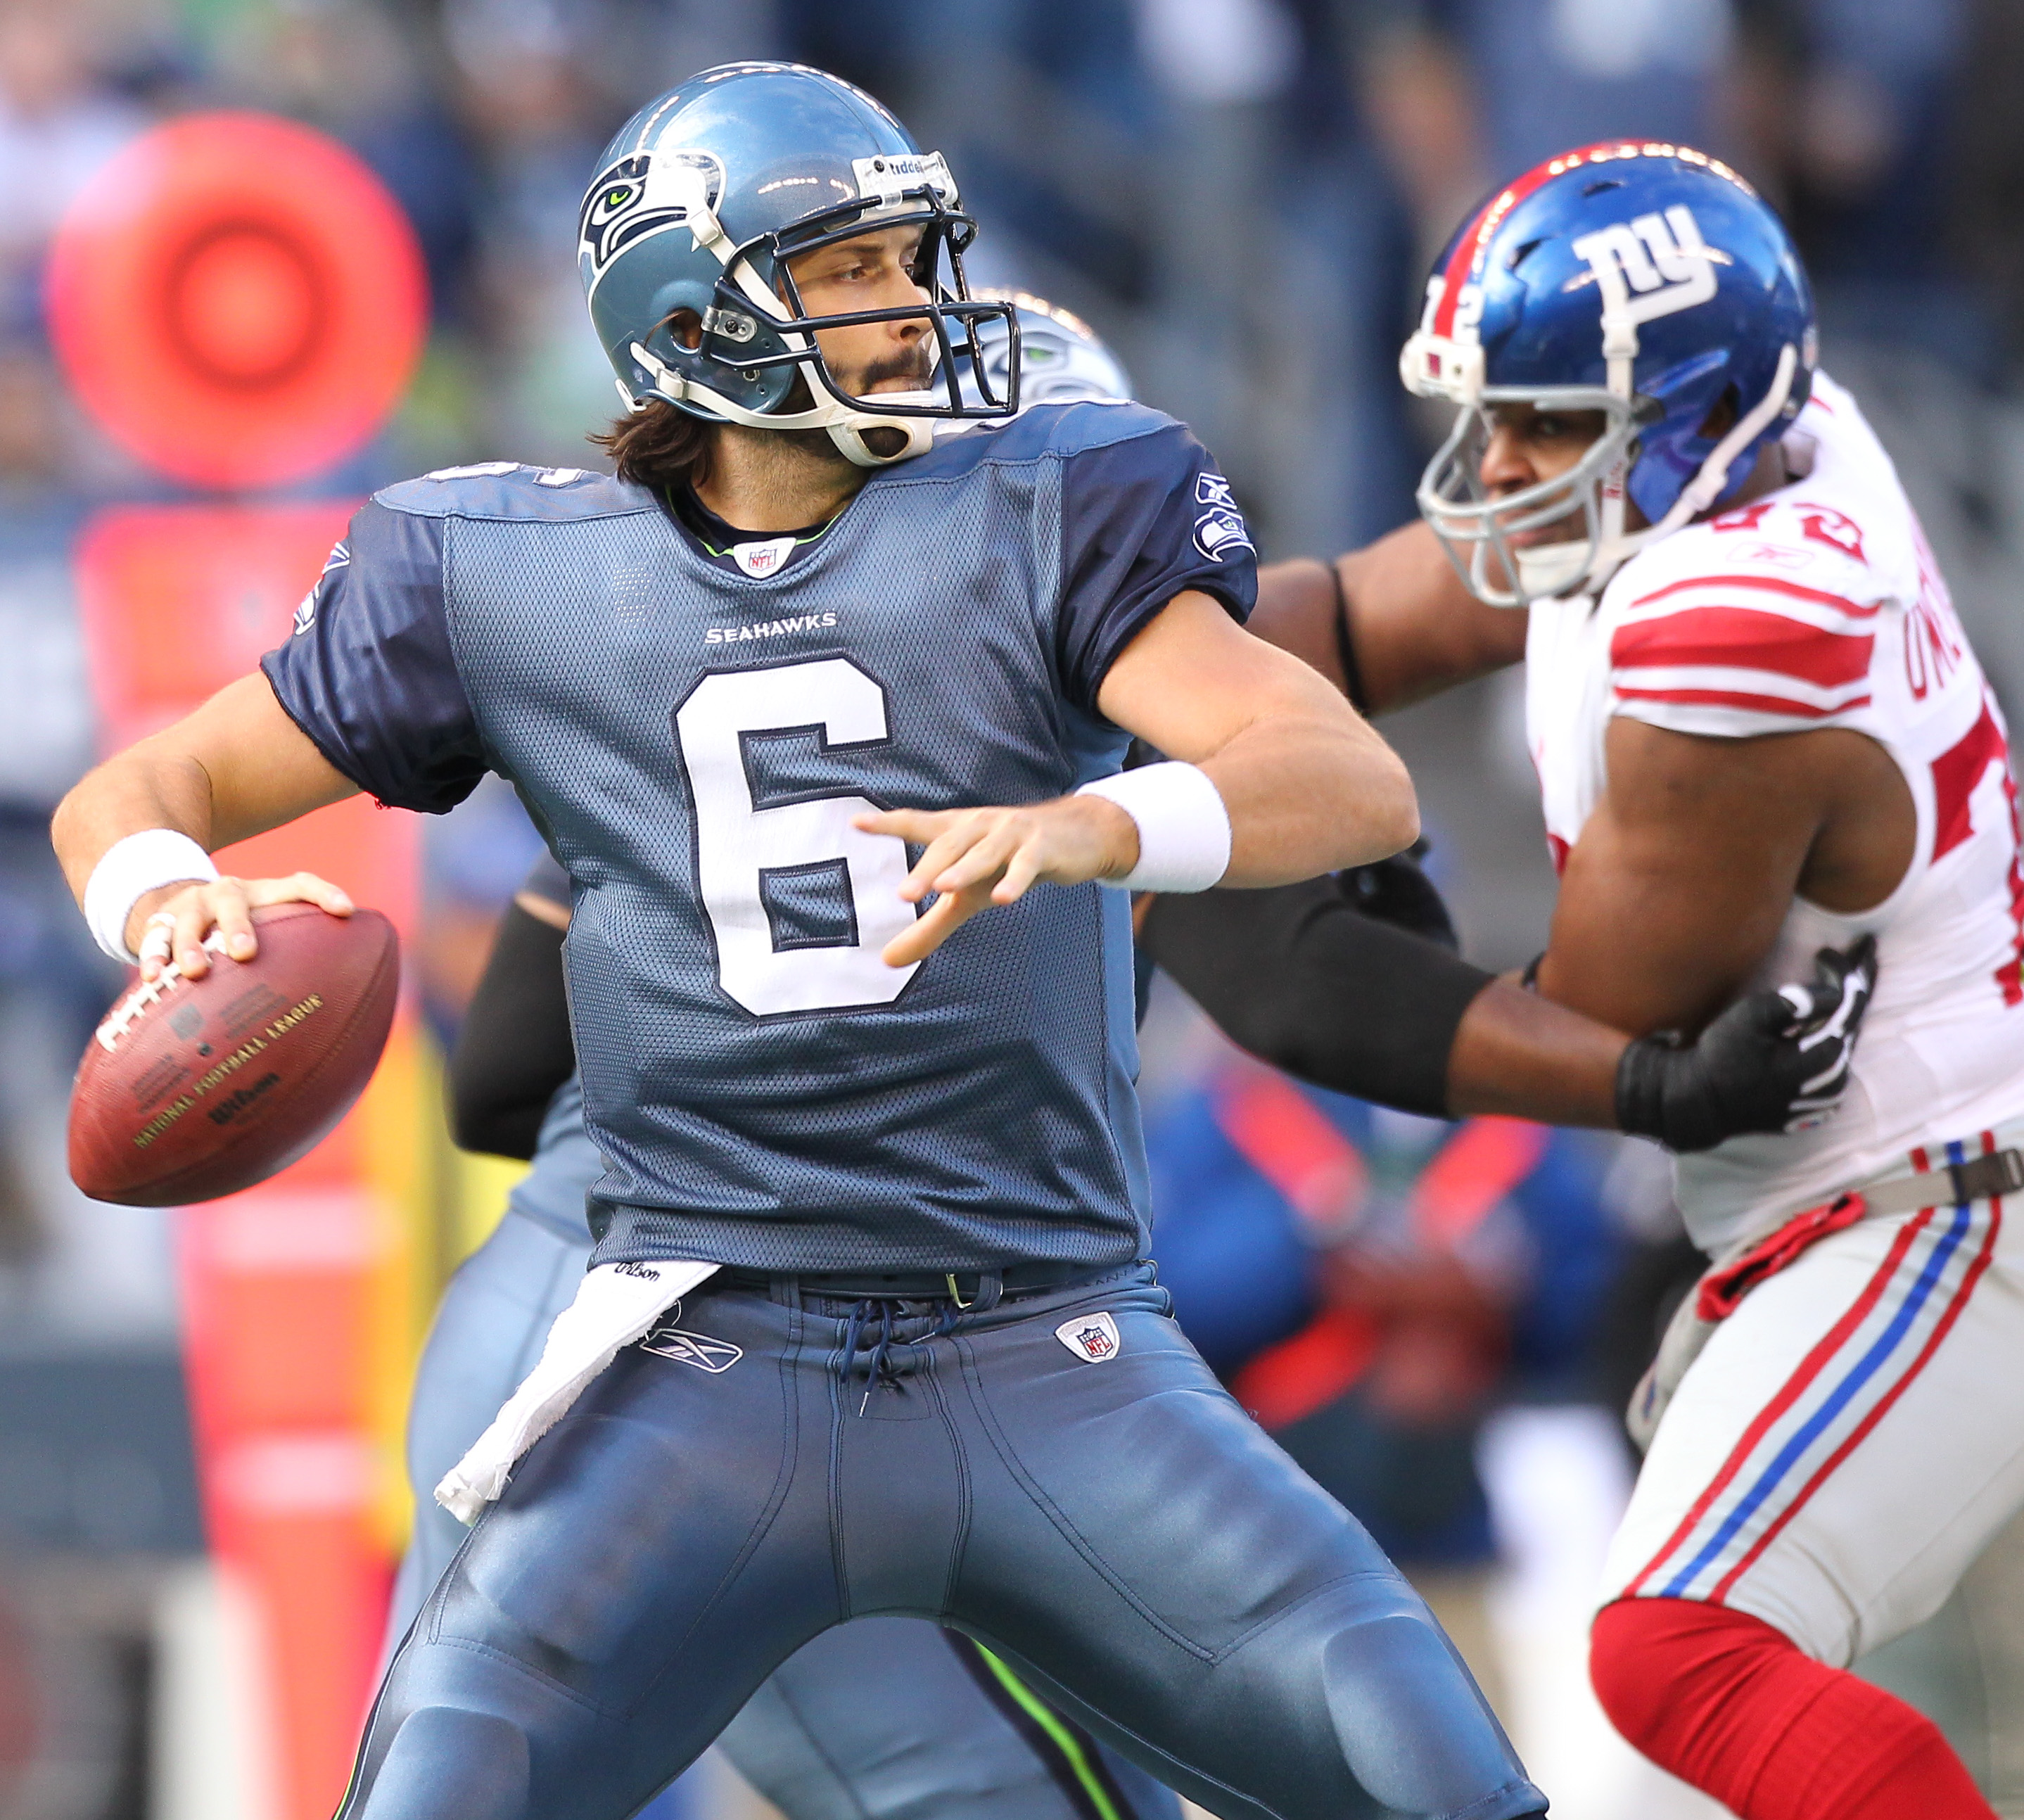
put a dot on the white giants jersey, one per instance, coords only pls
(1819, 605)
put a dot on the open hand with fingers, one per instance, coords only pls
(976, 858)
(171, 925)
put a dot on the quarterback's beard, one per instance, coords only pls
(913, 366)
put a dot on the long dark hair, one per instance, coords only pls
(659, 446)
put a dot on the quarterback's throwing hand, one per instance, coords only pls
(978, 857)
(168, 927)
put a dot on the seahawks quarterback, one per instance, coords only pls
(824, 719)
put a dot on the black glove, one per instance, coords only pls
(1398, 892)
(1774, 1061)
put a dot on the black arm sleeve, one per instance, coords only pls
(515, 1049)
(1302, 979)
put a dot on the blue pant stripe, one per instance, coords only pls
(1794, 1449)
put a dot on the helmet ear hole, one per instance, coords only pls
(1721, 415)
(686, 326)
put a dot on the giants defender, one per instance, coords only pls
(887, 1158)
(1758, 727)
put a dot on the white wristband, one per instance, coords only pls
(130, 868)
(1183, 828)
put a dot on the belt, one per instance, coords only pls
(963, 1287)
(1720, 1291)
(1980, 1178)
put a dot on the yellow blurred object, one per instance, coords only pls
(436, 1204)
(478, 1187)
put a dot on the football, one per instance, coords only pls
(191, 1089)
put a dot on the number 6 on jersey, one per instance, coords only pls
(754, 865)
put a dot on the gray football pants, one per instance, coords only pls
(1118, 1531)
(885, 1718)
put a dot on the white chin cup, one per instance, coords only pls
(845, 423)
(1546, 570)
(917, 437)
(130, 868)
(1183, 827)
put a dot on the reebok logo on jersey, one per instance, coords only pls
(701, 1350)
(340, 558)
(768, 628)
(763, 558)
(1092, 1338)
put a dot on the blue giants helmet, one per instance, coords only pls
(1646, 282)
(685, 237)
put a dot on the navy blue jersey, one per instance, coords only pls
(694, 741)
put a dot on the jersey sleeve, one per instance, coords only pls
(1771, 641)
(1142, 520)
(368, 672)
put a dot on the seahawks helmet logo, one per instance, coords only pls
(639, 194)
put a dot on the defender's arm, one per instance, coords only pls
(514, 1049)
(1686, 871)
(236, 767)
(1307, 978)
(1402, 622)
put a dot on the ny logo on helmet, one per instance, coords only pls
(1661, 258)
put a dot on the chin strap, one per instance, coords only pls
(846, 425)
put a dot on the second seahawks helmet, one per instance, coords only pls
(698, 205)
(1061, 358)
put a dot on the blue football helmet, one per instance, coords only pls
(1061, 359)
(1646, 282)
(698, 205)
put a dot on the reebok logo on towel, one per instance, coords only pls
(1090, 1338)
(700, 1350)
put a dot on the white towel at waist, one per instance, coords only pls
(615, 1305)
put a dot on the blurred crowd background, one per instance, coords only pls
(1244, 197)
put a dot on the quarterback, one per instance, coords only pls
(866, 1328)
(891, 1716)
(1758, 729)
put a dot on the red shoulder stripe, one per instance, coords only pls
(1744, 638)
(1768, 584)
(1781, 705)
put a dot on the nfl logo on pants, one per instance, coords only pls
(1092, 1338)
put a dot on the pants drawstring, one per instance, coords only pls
(881, 1368)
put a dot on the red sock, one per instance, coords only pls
(1729, 1705)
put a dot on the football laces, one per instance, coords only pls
(123, 1016)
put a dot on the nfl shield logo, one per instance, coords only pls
(1090, 1338)
(759, 559)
